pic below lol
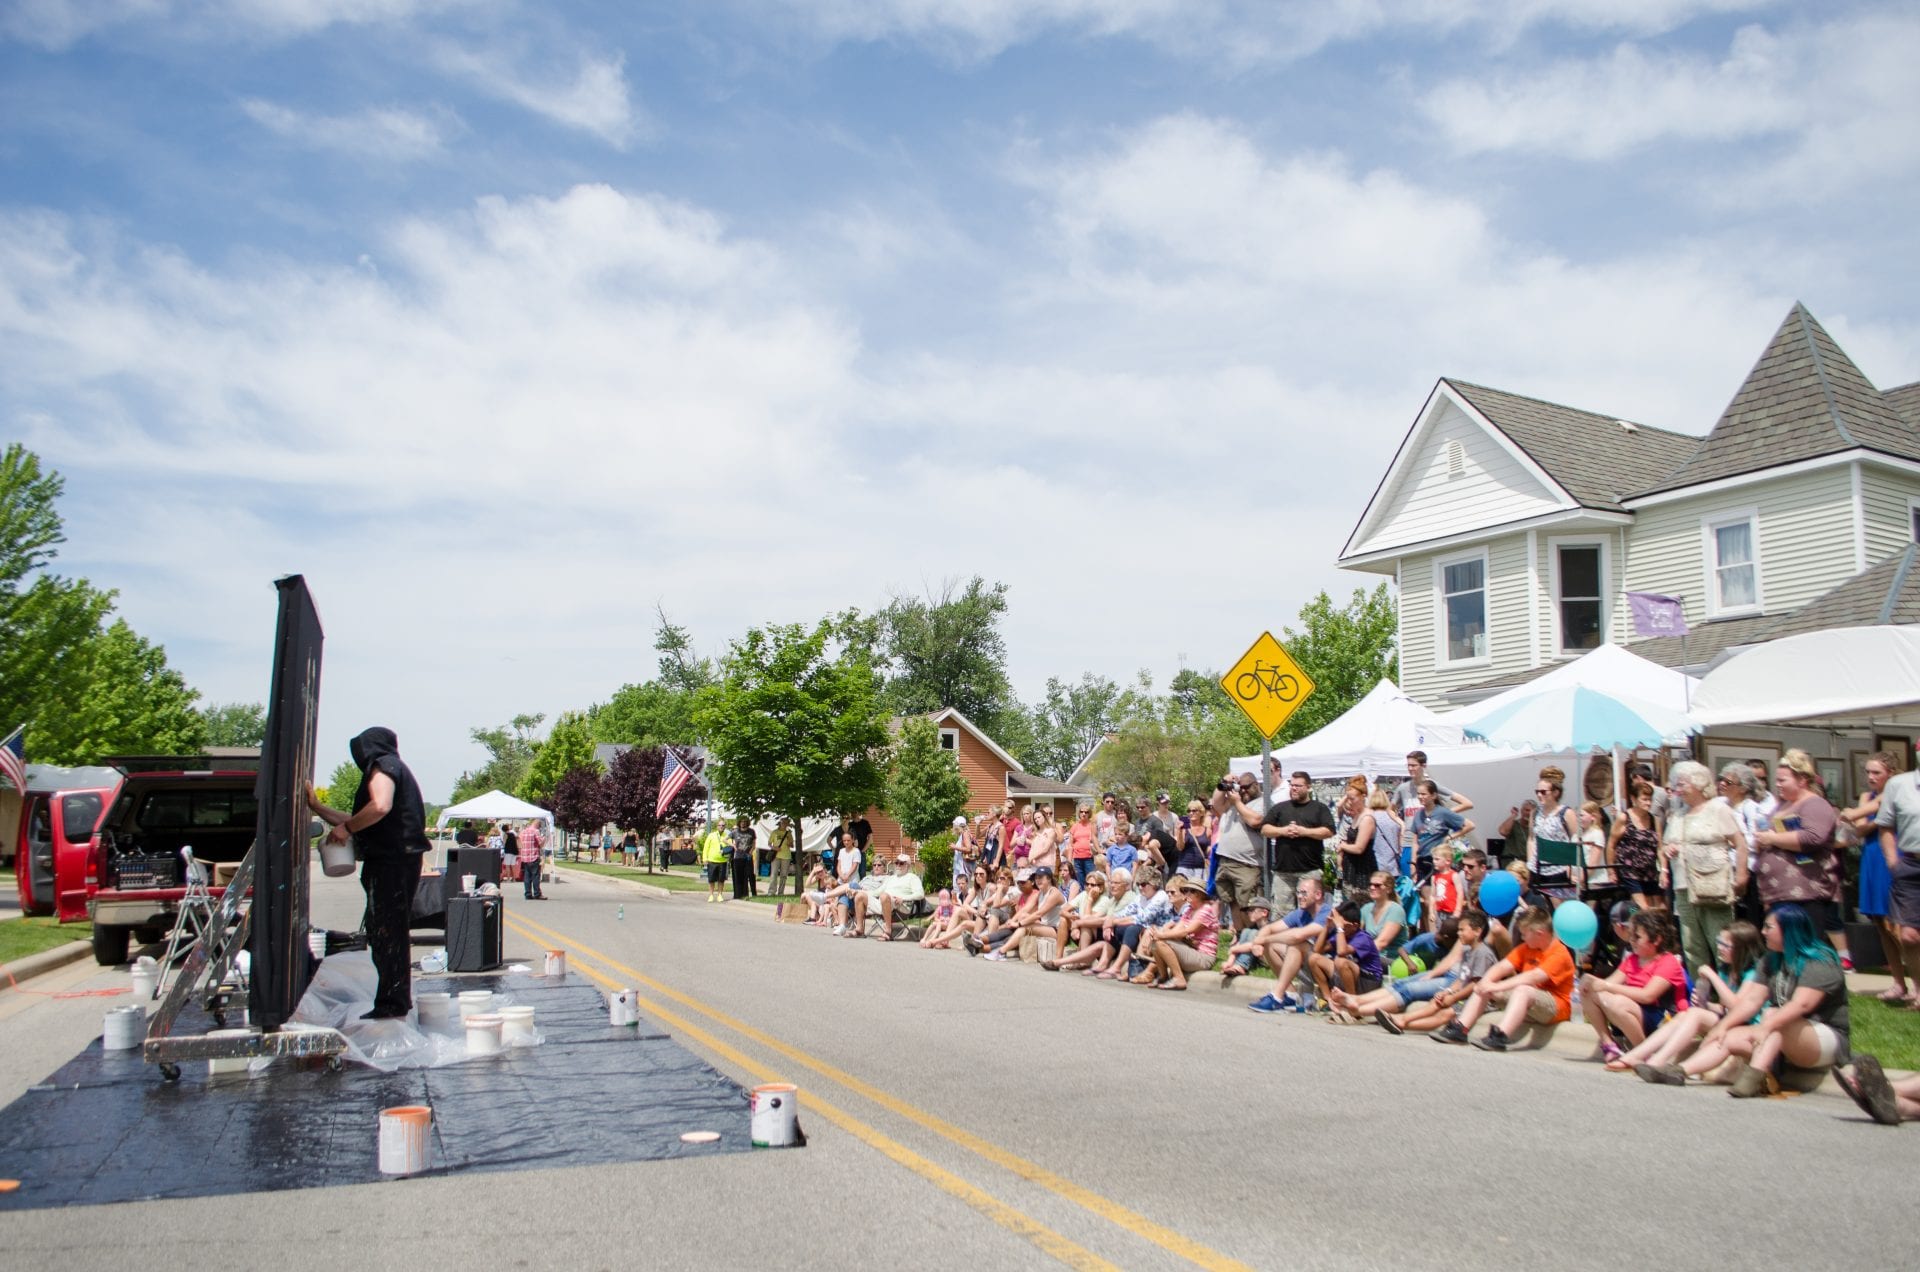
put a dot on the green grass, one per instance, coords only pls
(21, 937)
(1890, 1034)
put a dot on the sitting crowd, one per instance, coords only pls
(1710, 958)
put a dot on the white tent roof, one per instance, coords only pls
(1838, 678)
(496, 806)
(1609, 669)
(1373, 737)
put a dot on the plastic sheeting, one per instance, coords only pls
(106, 1128)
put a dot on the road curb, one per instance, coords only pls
(23, 969)
(646, 889)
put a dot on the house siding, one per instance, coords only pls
(1887, 497)
(1805, 531)
(1509, 643)
(1426, 503)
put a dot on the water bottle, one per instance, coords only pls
(621, 913)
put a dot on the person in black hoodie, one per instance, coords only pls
(389, 823)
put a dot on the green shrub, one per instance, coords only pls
(936, 861)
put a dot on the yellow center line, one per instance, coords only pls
(1112, 1211)
(1046, 1239)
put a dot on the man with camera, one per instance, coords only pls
(1239, 811)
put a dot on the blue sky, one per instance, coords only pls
(504, 322)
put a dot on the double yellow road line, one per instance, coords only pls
(1044, 1238)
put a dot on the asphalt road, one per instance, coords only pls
(994, 1116)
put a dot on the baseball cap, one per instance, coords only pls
(1260, 903)
(1188, 884)
(904, 860)
(1023, 874)
(958, 822)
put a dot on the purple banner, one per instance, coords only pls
(1656, 615)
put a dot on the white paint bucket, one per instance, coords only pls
(228, 1064)
(466, 882)
(475, 1001)
(435, 1008)
(516, 1026)
(483, 1034)
(146, 980)
(406, 1138)
(557, 963)
(623, 1007)
(336, 860)
(776, 1115)
(124, 1029)
(317, 942)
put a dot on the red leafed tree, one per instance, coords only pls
(631, 788)
(579, 802)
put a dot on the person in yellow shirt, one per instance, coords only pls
(781, 841)
(714, 851)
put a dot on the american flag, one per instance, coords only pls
(674, 774)
(13, 759)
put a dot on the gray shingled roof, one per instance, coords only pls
(1906, 400)
(1592, 456)
(1803, 399)
(1033, 784)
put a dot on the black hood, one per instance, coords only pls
(373, 745)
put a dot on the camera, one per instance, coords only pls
(1225, 786)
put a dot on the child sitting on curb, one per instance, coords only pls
(1535, 982)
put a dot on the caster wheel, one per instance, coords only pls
(219, 1020)
(336, 1063)
(171, 1072)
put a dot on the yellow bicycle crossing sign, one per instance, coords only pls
(1267, 684)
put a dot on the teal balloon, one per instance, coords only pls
(1499, 893)
(1576, 924)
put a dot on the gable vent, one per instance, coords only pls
(1456, 459)
(1628, 425)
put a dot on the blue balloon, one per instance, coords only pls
(1576, 924)
(1499, 893)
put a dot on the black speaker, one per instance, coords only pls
(473, 933)
(482, 863)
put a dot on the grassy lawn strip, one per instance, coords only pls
(1890, 1034)
(21, 937)
(679, 879)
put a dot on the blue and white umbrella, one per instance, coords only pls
(1576, 718)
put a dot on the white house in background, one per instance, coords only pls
(1513, 528)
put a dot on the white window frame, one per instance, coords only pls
(1559, 649)
(954, 747)
(1440, 564)
(1711, 562)
(1913, 518)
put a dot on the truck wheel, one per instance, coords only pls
(149, 935)
(110, 945)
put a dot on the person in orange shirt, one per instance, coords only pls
(1535, 982)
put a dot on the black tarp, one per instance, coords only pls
(106, 1128)
(278, 937)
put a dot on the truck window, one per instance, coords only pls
(183, 810)
(78, 813)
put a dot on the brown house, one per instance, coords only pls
(992, 777)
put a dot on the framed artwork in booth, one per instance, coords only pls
(1901, 747)
(1833, 775)
(1721, 752)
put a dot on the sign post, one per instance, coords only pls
(1268, 686)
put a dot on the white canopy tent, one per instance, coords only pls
(497, 806)
(1371, 738)
(1842, 677)
(1608, 669)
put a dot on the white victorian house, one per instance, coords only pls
(1513, 528)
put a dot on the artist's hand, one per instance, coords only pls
(338, 834)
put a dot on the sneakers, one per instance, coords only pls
(1297, 1005)
(996, 957)
(972, 943)
(1450, 1033)
(1266, 1005)
(1661, 1074)
(839, 929)
(1494, 1040)
(1384, 1019)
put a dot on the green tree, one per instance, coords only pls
(135, 704)
(235, 724)
(945, 650)
(1346, 650)
(510, 749)
(343, 785)
(569, 746)
(926, 791)
(658, 712)
(795, 725)
(1071, 719)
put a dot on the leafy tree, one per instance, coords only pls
(1071, 719)
(945, 650)
(1346, 651)
(134, 704)
(795, 725)
(578, 801)
(510, 749)
(927, 790)
(631, 790)
(343, 785)
(681, 668)
(568, 747)
(235, 724)
(659, 711)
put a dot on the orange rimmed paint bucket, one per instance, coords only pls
(406, 1133)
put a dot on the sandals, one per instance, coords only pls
(1049, 965)
(1385, 1020)
(1895, 996)
(1170, 983)
(1610, 1052)
(1144, 978)
(1868, 1087)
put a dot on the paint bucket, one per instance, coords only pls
(475, 1001)
(228, 1064)
(146, 979)
(336, 860)
(516, 1026)
(406, 1136)
(776, 1115)
(436, 1009)
(317, 942)
(557, 963)
(483, 1034)
(623, 1007)
(124, 1029)
(466, 883)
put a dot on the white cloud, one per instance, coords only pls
(58, 24)
(1835, 102)
(591, 95)
(387, 133)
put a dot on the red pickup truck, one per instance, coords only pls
(164, 804)
(48, 833)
